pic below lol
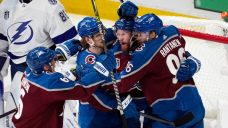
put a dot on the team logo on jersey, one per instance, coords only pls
(53, 2)
(20, 32)
(6, 15)
(90, 59)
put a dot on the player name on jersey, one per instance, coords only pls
(169, 46)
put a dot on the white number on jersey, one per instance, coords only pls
(129, 66)
(173, 62)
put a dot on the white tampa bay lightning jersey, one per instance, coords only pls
(38, 23)
(3, 39)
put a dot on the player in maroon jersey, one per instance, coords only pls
(155, 65)
(44, 91)
(122, 50)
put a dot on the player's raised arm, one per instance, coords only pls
(41, 62)
(127, 10)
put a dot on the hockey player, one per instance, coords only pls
(88, 29)
(3, 63)
(3, 70)
(27, 26)
(44, 91)
(154, 64)
(128, 10)
(31, 23)
(122, 50)
(91, 59)
(123, 29)
(187, 67)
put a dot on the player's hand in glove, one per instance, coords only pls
(110, 37)
(127, 10)
(72, 74)
(188, 68)
(105, 63)
(67, 49)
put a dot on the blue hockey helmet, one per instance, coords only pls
(88, 27)
(38, 57)
(147, 23)
(124, 24)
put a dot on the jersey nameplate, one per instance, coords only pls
(101, 69)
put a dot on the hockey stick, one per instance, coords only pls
(8, 113)
(99, 22)
(179, 122)
(120, 106)
(11, 111)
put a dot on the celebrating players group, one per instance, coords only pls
(139, 68)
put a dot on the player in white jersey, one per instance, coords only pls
(27, 24)
(3, 60)
(32, 23)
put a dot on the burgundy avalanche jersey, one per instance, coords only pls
(122, 58)
(42, 98)
(154, 64)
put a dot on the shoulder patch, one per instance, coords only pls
(52, 2)
(101, 69)
(90, 59)
(6, 15)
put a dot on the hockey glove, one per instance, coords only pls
(110, 37)
(106, 63)
(127, 10)
(125, 101)
(67, 49)
(188, 68)
(72, 74)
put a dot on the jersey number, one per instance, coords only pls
(129, 67)
(173, 62)
(63, 16)
(20, 106)
(25, 86)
